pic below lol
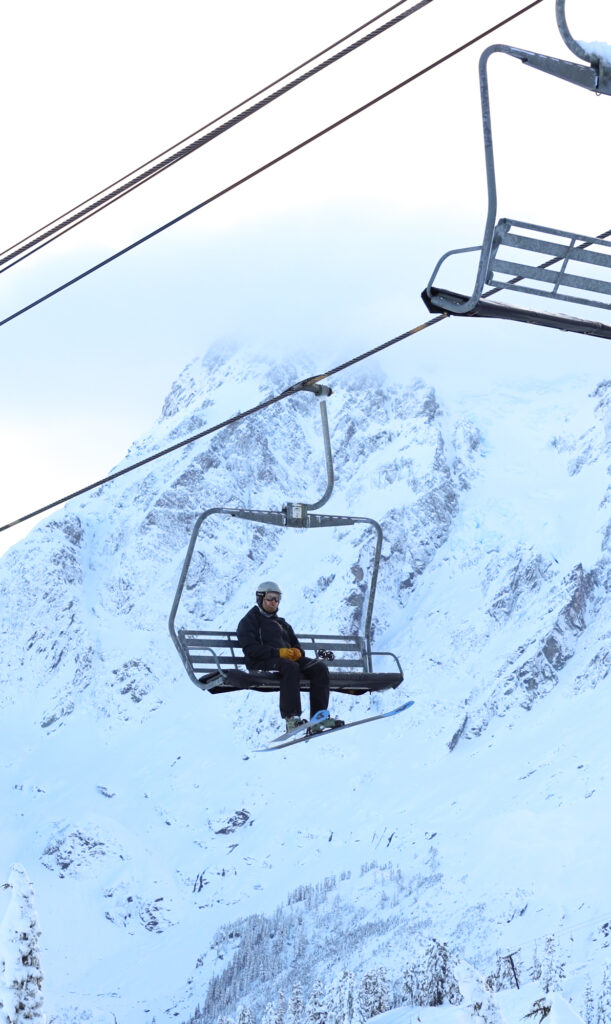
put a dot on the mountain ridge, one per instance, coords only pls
(124, 780)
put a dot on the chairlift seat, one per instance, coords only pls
(554, 279)
(579, 269)
(218, 664)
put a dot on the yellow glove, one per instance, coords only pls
(292, 653)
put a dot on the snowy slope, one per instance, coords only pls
(477, 819)
(512, 1006)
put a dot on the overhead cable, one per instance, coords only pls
(293, 389)
(20, 251)
(267, 165)
(237, 418)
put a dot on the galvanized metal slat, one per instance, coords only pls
(548, 248)
(563, 280)
(209, 659)
(203, 644)
(202, 640)
(315, 639)
(201, 654)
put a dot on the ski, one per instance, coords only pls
(301, 734)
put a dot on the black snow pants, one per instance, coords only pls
(291, 672)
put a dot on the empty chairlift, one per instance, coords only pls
(513, 253)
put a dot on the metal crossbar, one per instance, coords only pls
(570, 252)
(206, 649)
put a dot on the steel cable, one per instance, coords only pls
(296, 387)
(15, 254)
(237, 418)
(267, 165)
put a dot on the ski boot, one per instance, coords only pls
(323, 720)
(294, 722)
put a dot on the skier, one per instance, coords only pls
(269, 643)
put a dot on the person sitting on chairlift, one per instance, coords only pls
(270, 644)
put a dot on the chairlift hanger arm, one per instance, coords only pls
(322, 392)
(575, 74)
(324, 419)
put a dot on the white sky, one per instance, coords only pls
(328, 251)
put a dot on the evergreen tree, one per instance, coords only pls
(552, 971)
(412, 985)
(535, 970)
(440, 983)
(373, 995)
(280, 1009)
(588, 1004)
(245, 1015)
(603, 1008)
(269, 1014)
(20, 973)
(316, 1007)
(342, 1000)
(295, 1010)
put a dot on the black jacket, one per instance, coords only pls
(260, 636)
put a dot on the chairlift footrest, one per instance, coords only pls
(501, 311)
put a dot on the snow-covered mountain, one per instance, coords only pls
(177, 872)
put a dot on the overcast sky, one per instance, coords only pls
(328, 251)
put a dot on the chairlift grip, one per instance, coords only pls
(601, 66)
(320, 390)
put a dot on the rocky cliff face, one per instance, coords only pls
(554, 614)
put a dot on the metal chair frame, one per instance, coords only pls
(294, 515)
(570, 249)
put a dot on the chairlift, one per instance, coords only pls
(579, 264)
(214, 660)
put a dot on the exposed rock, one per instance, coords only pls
(74, 852)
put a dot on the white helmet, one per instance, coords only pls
(267, 587)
